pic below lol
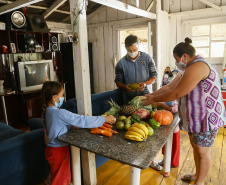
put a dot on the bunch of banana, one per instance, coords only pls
(137, 132)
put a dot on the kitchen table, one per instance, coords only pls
(138, 155)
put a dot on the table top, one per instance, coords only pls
(133, 153)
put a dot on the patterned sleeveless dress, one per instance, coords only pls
(202, 109)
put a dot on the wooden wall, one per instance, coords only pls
(172, 6)
(103, 27)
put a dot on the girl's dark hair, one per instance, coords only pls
(184, 47)
(49, 89)
(130, 40)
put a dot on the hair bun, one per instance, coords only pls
(188, 40)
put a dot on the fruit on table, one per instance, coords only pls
(114, 108)
(143, 123)
(137, 132)
(144, 114)
(127, 126)
(120, 125)
(132, 137)
(135, 118)
(134, 86)
(121, 118)
(150, 131)
(125, 121)
(164, 117)
(152, 113)
(154, 124)
(142, 127)
(127, 109)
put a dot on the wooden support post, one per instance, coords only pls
(167, 156)
(76, 165)
(158, 39)
(82, 78)
(134, 176)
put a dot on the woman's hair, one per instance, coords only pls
(130, 40)
(49, 89)
(184, 47)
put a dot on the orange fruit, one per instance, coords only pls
(127, 126)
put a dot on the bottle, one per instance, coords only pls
(224, 77)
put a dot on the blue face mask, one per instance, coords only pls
(61, 102)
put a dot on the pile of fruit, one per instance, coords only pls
(139, 121)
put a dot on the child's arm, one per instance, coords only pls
(82, 121)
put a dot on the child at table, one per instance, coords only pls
(57, 122)
(175, 156)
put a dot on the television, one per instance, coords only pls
(32, 74)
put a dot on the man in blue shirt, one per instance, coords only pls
(135, 67)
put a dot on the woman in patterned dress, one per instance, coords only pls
(201, 107)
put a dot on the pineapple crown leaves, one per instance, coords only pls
(113, 104)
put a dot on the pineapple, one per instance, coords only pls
(114, 108)
(124, 110)
(127, 109)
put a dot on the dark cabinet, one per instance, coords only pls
(68, 68)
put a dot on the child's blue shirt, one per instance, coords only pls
(59, 121)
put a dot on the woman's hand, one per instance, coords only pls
(110, 119)
(142, 86)
(128, 88)
(148, 100)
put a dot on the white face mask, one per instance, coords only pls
(132, 55)
(181, 65)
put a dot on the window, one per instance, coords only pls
(209, 40)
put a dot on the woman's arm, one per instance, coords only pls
(191, 77)
(170, 86)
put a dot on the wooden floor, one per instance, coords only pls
(115, 173)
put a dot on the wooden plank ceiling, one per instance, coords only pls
(61, 14)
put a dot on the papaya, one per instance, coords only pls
(134, 86)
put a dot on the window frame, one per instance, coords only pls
(191, 24)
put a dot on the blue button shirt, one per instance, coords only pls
(141, 70)
(59, 121)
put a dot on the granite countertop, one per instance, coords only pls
(133, 153)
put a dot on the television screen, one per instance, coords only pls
(36, 74)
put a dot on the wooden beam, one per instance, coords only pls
(126, 8)
(82, 82)
(56, 25)
(53, 7)
(211, 4)
(36, 7)
(150, 6)
(200, 11)
(16, 5)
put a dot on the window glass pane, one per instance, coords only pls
(204, 52)
(217, 49)
(218, 32)
(200, 30)
(200, 41)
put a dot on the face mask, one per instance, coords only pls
(181, 65)
(61, 102)
(132, 55)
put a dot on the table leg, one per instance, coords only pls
(76, 165)
(167, 156)
(4, 109)
(134, 176)
(88, 167)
